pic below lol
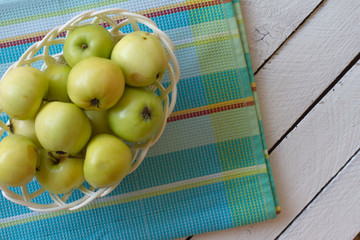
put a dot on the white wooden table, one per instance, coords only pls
(306, 59)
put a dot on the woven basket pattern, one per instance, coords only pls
(38, 55)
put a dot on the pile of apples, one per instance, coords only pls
(74, 122)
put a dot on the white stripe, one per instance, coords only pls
(149, 190)
(19, 217)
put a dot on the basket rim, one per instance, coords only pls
(141, 150)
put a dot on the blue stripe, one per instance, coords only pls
(165, 169)
(153, 218)
(208, 14)
(12, 54)
(173, 21)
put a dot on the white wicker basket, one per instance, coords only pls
(115, 20)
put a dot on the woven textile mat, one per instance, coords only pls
(210, 169)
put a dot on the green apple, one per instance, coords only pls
(62, 127)
(142, 58)
(18, 160)
(108, 160)
(137, 116)
(25, 128)
(99, 122)
(90, 40)
(59, 173)
(95, 84)
(22, 91)
(57, 75)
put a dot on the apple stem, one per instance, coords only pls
(53, 158)
(11, 126)
(95, 102)
(146, 113)
(84, 46)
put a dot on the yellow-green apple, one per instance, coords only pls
(107, 161)
(95, 84)
(25, 128)
(59, 173)
(57, 75)
(62, 127)
(22, 91)
(137, 116)
(90, 40)
(99, 123)
(18, 160)
(142, 58)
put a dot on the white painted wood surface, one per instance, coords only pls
(306, 64)
(327, 135)
(336, 209)
(309, 157)
(269, 23)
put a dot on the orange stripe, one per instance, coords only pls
(212, 108)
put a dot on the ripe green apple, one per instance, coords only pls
(59, 173)
(25, 128)
(90, 40)
(18, 160)
(62, 127)
(99, 123)
(142, 58)
(137, 116)
(107, 161)
(95, 84)
(22, 91)
(57, 75)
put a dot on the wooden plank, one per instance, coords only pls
(335, 213)
(269, 23)
(310, 155)
(307, 64)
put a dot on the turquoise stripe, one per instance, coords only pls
(202, 161)
(249, 66)
(164, 169)
(230, 85)
(259, 153)
(267, 194)
(190, 206)
(191, 92)
(238, 153)
(241, 192)
(166, 22)
(138, 219)
(12, 54)
(208, 14)
(126, 216)
(229, 10)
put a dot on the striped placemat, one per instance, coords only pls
(210, 169)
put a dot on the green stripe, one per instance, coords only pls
(203, 41)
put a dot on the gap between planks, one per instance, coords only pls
(332, 180)
(289, 36)
(308, 63)
(309, 157)
(317, 101)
